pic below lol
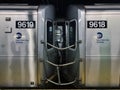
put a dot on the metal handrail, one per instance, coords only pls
(60, 65)
(60, 48)
(62, 83)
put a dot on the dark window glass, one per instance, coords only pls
(72, 33)
(49, 33)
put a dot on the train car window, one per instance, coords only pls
(49, 33)
(72, 33)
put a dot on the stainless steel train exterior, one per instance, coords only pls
(98, 29)
(34, 49)
(21, 52)
(45, 52)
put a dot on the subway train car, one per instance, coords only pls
(36, 49)
(98, 34)
(22, 29)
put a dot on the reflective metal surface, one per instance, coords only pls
(102, 57)
(18, 56)
(45, 13)
(99, 50)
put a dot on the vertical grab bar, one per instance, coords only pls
(58, 73)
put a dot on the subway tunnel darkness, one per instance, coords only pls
(60, 5)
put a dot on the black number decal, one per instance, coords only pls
(97, 24)
(25, 24)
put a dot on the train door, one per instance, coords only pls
(50, 53)
(46, 53)
(77, 22)
(71, 71)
